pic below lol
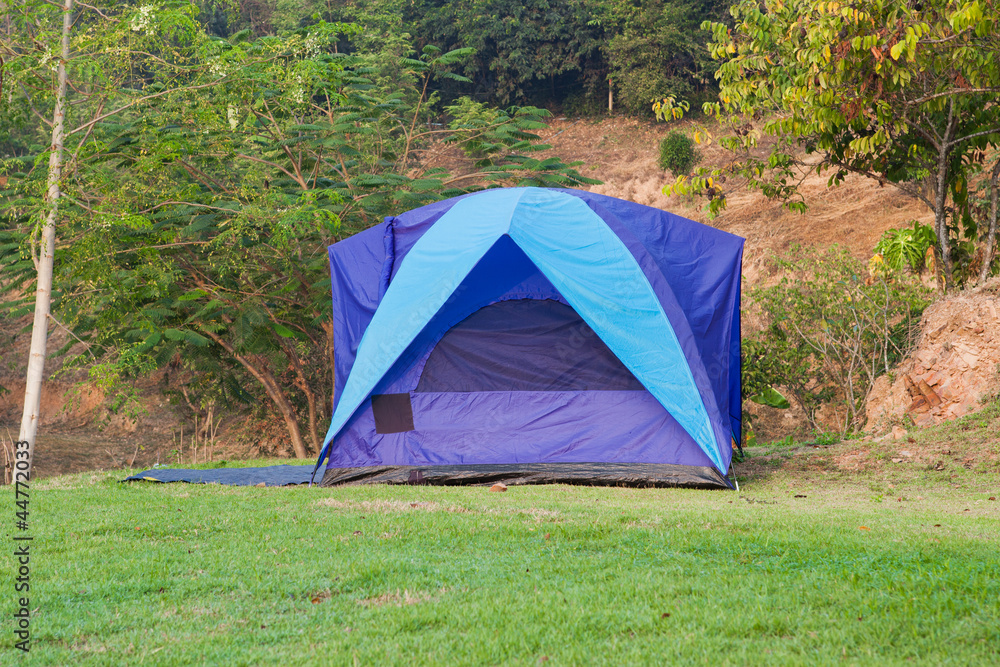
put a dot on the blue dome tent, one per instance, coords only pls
(534, 335)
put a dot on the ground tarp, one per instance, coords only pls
(283, 475)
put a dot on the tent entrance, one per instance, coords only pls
(524, 345)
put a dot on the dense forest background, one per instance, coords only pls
(553, 53)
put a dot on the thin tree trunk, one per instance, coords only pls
(991, 236)
(303, 384)
(7, 30)
(941, 197)
(45, 261)
(416, 115)
(941, 229)
(273, 389)
(313, 418)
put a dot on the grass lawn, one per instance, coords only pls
(828, 555)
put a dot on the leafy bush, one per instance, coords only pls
(678, 154)
(901, 248)
(474, 118)
(655, 48)
(216, 269)
(831, 331)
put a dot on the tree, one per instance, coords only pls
(831, 330)
(46, 249)
(654, 49)
(902, 92)
(89, 54)
(539, 50)
(547, 51)
(204, 215)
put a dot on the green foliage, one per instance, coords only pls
(522, 50)
(561, 52)
(655, 48)
(907, 247)
(772, 398)
(114, 377)
(122, 56)
(487, 134)
(983, 207)
(826, 439)
(201, 210)
(833, 329)
(678, 154)
(898, 91)
(467, 113)
(770, 360)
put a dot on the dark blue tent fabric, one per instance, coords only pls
(555, 351)
(693, 271)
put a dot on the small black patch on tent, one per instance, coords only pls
(393, 413)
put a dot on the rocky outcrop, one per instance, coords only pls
(953, 367)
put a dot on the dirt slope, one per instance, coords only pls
(623, 152)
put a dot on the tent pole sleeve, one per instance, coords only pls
(390, 256)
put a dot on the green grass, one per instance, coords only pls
(893, 564)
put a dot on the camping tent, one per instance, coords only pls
(535, 335)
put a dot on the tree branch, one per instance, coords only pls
(951, 93)
(994, 130)
(65, 328)
(98, 119)
(32, 107)
(93, 9)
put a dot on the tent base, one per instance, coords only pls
(643, 475)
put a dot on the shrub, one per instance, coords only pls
(831, 331)
(467, 114)
(678, 154)
(901, 248)
(586, 104)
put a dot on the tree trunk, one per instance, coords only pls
(46, 257)
(303, 384)
(273, 389)
(941, 219)
(328, 329)
(941, 229)
(941, 197)
(991, 236)
(313, 418)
